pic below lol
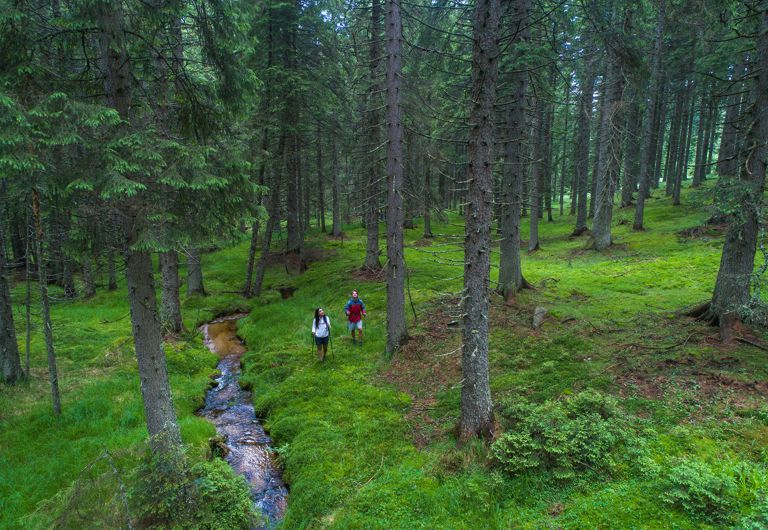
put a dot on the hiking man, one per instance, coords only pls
(355, 311)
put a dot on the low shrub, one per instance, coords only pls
(718, 493)
(694, 487)
(169, 492)
(564, 437)
(758, 517)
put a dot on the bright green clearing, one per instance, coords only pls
(366, 441)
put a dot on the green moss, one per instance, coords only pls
(342, 432)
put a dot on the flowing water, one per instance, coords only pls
(229, 408)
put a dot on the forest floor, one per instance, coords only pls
(368, 442)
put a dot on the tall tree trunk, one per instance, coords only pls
(610, 156)
(681, 166)
(701, 142)
(162, 426)
(89, 283)
(581, 154)
(651, 133)
(476, 404)
(372, 261)
(442, 191)
(549, 109)
(45, 308)
(411, 167)
(272, 222)
(158, 407)
(713, 120)
(660, 127)
(732, 289)
(67, 265)
(10, 363)
(248, 288)
(727, 154)
(265, 157)
(28, 301)
(337, 224)
(538, 175)
(427, 200)
(673, 145)
(397, 331)
(599, 137)
(632, 129)
(171, 305)
(194, 272)
(305, 180)
(18, 236)
(514, 170)
(320, 181)
(111, 270)
(295, 239)
(564, 149)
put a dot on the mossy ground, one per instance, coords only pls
(367, 441)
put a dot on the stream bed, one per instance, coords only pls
(230, 409)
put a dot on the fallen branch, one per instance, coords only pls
(751, 343)
(667, 348)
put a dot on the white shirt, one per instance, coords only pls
(323, 328)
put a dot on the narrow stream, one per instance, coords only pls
(230, 409)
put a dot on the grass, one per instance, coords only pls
(365, 442)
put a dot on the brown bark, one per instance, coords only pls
(89, 283)
(581, 154)
(320, 180)
(336, 229)
(652, 115)
(171, 305)
(164, 433)
(10, 362)
(194, 272)
(514, 170)
(538, 174)
(272, 222)
(727, 158)
(397, 331)
(45, 309)
(372, 262)
(599, 137)
(161, 421)
(673, 145)
(427, 200)
(476, 405)
(632, 130)
(701, 142)
(732, 288)
(610, 155)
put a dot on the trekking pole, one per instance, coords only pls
(330, 339)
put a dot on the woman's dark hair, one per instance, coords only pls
(317, 316)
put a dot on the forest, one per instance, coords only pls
(383, 264)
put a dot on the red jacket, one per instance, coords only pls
(356, 310)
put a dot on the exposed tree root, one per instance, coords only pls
(699, 310)
(730, 324)
(510, 296)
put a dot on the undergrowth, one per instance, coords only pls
(627, 414)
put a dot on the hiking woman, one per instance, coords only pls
(321, 331)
